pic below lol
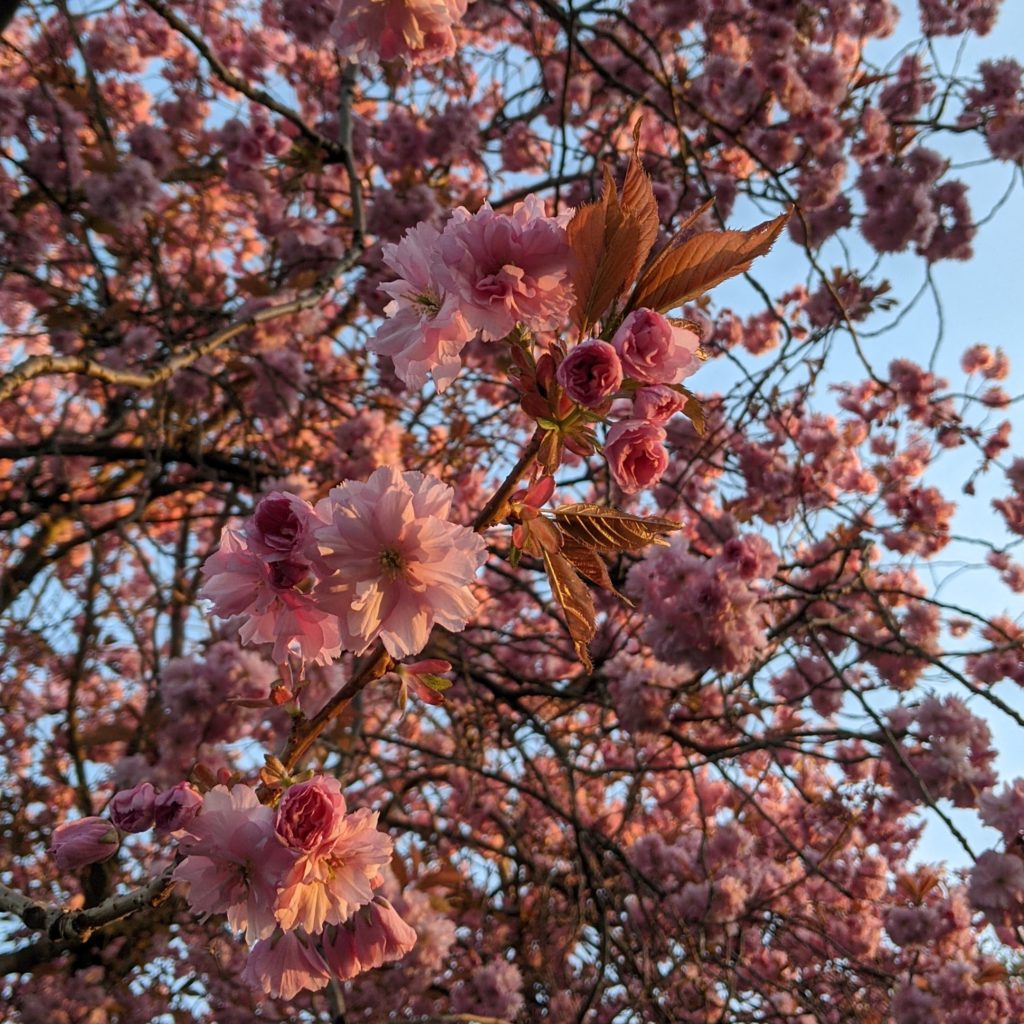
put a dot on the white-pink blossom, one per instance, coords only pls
(286, 964)
(426, 331)
(327, 884)
(400, 566)
(278, 613)
(234, 860)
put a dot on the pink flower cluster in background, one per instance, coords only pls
(413, 31)
(373, 560)
(299, 882)
(706, 612)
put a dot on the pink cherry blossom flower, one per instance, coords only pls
(332, 880)
(311, 815)
(131, 810)
(509, 269)
(234, 861)
(240, 582)
(373, 936)
(400, 566)
(426, 331)
(416, 31)
(636, 454)
(286, 964)
(590, 373)
(654, 350)
(997, 883)
(84, 841)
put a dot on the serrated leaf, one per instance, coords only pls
(701, 262)
(607, 529)
(587, 561)
(603, 238)
(576, 602)
(622, 239)
(549, 455)
(694, 412)
(637, 198)
(585, 234)
(681, 235)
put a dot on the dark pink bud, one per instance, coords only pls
(279, 527)
(176, 808)
(311, 813)
(85, 841)
(131, 810)
(590, 373)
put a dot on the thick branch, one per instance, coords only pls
(43, 366)
(494, 510)
(7, 10)
(65, 929)
(379, 662)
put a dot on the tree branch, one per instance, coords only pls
(67, 928)
(44, 366)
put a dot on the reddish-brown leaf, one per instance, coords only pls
(677, 240)
(693, 410)
(592, 565)
(586, 240)
(576, 602)
(622, 239)
(549, 455)
(703, 261)
(604, 239)
(607, 529)
(637, 198)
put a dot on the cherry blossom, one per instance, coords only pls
(399, 566)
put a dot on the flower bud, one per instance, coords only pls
(84, 841)
(175, 808)
(590, 373)
(131, 810)
(636, 454)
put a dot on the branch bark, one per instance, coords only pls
(44, 366)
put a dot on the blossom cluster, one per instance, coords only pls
(705, 612)
(373, 560)
(645, 356)
(488, 275)
(484, 274)
(298, 881)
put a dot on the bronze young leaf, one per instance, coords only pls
(607, 529)
(576, 602)
(592, 565)
(637, 199)
(701, 262)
